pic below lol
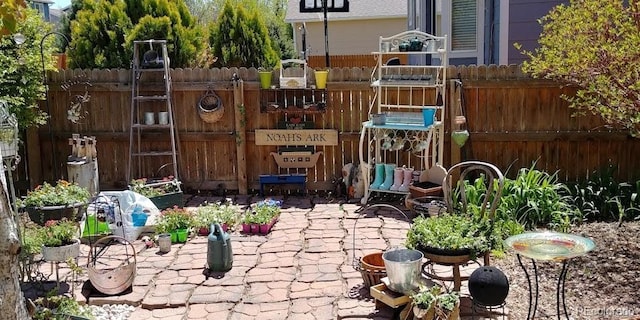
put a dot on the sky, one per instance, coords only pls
(59, 4)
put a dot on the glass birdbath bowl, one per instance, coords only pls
(550, 245)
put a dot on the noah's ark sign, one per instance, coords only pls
(307, 137)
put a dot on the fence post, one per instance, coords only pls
(240, 116)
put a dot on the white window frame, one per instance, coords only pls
(478, 53)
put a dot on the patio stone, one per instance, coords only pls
(303, 269)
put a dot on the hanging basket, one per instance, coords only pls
(115, 276)
(210, 107)
(372, 269)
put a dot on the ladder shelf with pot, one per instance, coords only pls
(406, 126)
(152, 134)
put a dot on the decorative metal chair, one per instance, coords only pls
(494, 181)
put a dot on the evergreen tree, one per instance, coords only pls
(98, 34)
(241, 39)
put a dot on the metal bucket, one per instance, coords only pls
(403, 269)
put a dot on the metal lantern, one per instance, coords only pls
(488, 286)
(8, 132)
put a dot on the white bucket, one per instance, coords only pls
(403, 269)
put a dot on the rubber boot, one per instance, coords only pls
(379, 176)
(408, 177)
(388, 176)
(397, 179)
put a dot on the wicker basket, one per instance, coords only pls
(210, 107)
(372, 269)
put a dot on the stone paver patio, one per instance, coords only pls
(303, 269)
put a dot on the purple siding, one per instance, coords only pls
(523, 24)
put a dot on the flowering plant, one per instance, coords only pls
(150, 189)
(262, 212)
(56, 233)
(222, 213)
(64, 193)
(174, 219)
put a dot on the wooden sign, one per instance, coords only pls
(313, 137)
(295, 125)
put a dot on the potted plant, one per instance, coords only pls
(432, 303)
(49, 202)
(265, 214)
(60, 240)
(59, 307)
(224, 214)
(175, 221)
(164, 193)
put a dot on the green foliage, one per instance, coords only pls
(103, 32)
(222, 213)
(174, 219)
(62, 194)
(97, 34)
(602, 198)
(21, 69)
(240, 38)
(261, 213)
(434, 297)
(535, 199)
(450, 232)
(151, 189)
(594, 45)
(56, 233)
(59, 307)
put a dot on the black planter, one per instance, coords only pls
(40, 215)
(444, 252)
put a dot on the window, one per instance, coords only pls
(39, 6)
(464, 25)
(462, 21)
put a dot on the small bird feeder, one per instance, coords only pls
(8, 132)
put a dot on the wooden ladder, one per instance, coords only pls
(152, 134)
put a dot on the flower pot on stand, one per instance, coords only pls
(265, 79)
(40, 215)
(61, 253)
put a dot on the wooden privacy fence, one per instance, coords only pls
(513, 121)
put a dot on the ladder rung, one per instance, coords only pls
(150, 98)
(151, 126)
(152, 153)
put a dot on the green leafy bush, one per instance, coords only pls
(64, 193)
(56, 233)
(174, 219)
(226, 213)
(536, 199)
(602, 198)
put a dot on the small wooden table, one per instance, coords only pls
(393, 299)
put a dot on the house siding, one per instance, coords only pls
(523, 24)
(349, 36)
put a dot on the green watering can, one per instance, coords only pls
(219, 253)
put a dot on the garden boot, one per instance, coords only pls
(397, 179)
(388, 176)
(408, 176)
(379, 176)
